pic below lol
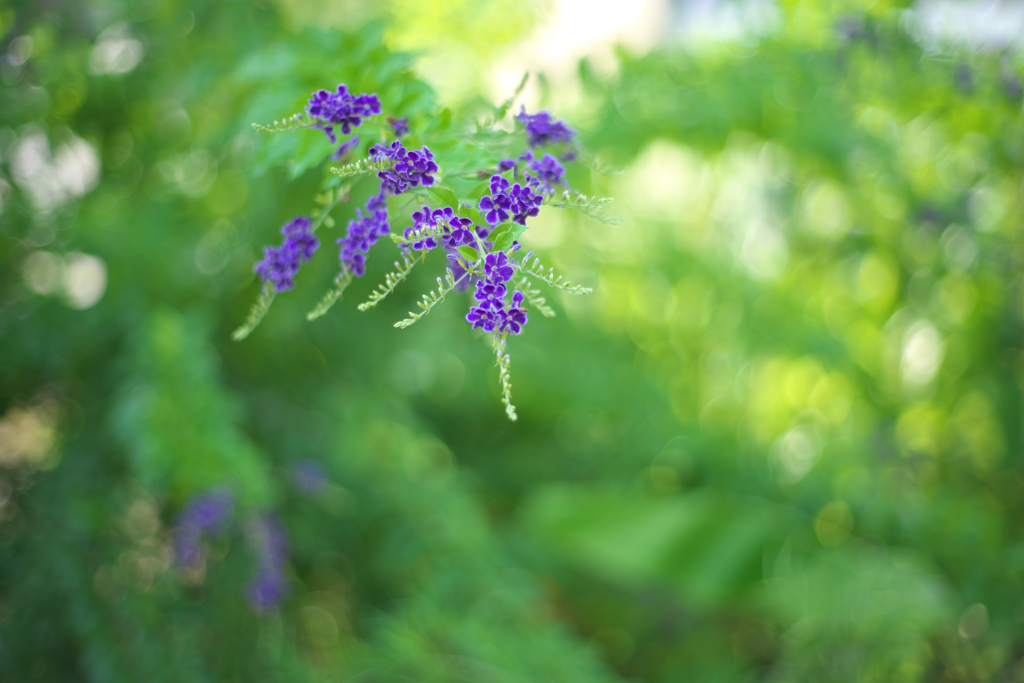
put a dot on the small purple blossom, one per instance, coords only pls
(461, 234)
(543, 129)
(498, 267)
(308, 476)
(280, 264)
(482, 318)
(452, 230)
(340, 108)
(547, 173)
(363, 232)
(408, 168)
(345, 147)
(490, 294)
(400, 126)
(496, 205)
(205, 514)
(514, 318)
(271, 547)
(525, 203)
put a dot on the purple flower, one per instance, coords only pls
(461, 233)
(400, 126)
(408, 168)
(205, 514)
(271, 547)
(340, 108)
(344, 148)
(490, 294)
(496, 205)
(525, 203)
(308, 476)
(548, 173)
(266, 590)
(543, 129)
(421, 220)
(497, 268)
(489, 312)
(482, 318)
(514, 318)
(280, 264)
(363, 232)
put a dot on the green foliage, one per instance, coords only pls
(780, 442)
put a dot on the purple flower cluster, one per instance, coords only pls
(543, 129)
(547, 171)
(207, 514)
(270, 543)
(453, 231)
(280, 264)
(490, 312)
(340, 108)
(400, 126)
(363, 232)
(409, 168)
(516, 201)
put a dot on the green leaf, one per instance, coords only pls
(502, 236)
(444, 119)
(470, 213)
(480, 190)
(444, 195)
(470, 254)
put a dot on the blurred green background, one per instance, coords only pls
(781, 441)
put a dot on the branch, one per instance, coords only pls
(590, 206)
(332, 297)
(537, 270)
(392, 280)
(256, 313)
(533, 296)
(432, 299)
(291, 123)
(506, 379)
(361, 167)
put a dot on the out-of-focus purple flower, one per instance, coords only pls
(400, 126)
(340, 108)
(207, 514)
(542, 129)
(408, 168)
(363, 233)
(547, 173)
(308, 476)
(280, 264)
(345, 147)
(271, 547)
